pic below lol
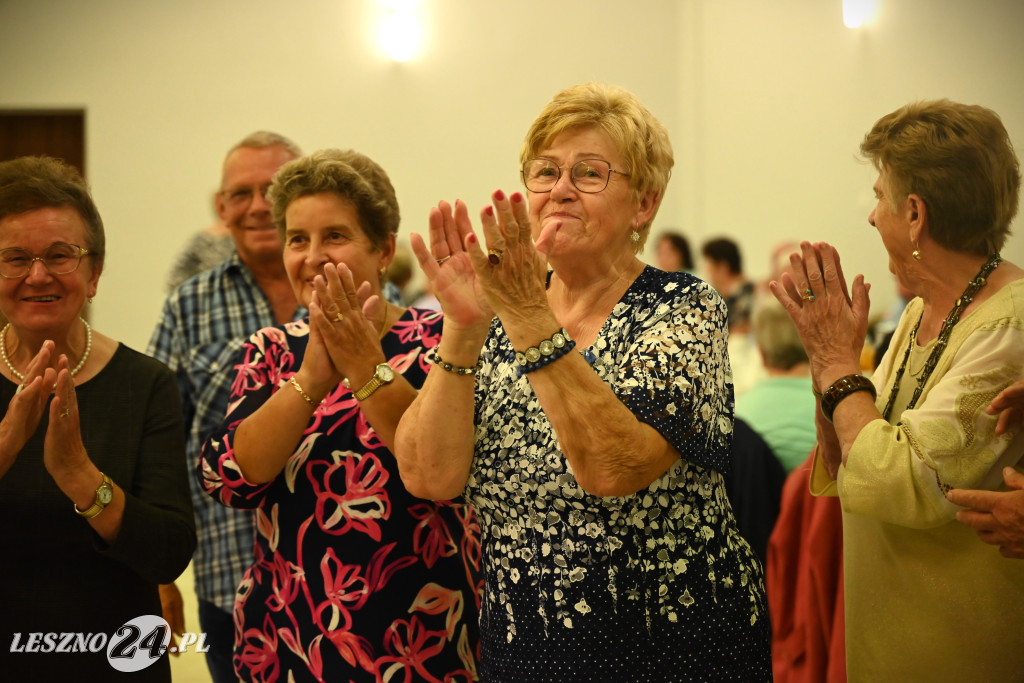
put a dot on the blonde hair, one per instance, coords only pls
(638, 136)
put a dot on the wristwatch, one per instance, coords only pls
(383, 374)
(104, 494)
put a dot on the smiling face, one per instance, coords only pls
(324, 228)
(41, 302)
(242, 205)
(599, 224)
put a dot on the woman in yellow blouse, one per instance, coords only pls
(924, 599)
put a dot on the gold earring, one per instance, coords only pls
(916, 253)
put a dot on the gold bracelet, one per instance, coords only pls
(302, 393)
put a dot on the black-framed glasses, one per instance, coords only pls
(243, 196)
(60, 258)
(587, 175)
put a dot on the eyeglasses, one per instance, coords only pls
(60, 258)
(587, 175)
(243, 196)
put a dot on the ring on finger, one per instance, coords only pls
(442, 260)
(339, 318)
(807, 296)
(494, 256)
(65, 412)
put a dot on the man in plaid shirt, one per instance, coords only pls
(205, 321)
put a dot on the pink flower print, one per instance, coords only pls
(350, 494)
(286, 582)
(345, 589)
(410, 645)
(432, 539)
(436, 599)
(259, 653)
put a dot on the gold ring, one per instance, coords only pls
(494, 256)
(807, 296)
(65, 412)
(339, 318)
(442, 260)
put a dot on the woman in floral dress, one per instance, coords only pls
(593, 438)
(352, 578)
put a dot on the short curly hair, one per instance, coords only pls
(41, 182)
(348, 174)
(638, 136)
(959, 159)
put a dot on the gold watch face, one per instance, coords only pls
(105, 494)
(385, 373)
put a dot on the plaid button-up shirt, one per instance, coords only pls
(204, 324)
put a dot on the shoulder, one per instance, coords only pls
(673, 291)
(131, 363)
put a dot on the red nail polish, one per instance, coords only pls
(499, 195)
(517, 197)
(489, 210)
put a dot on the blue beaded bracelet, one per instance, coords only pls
(547, 351)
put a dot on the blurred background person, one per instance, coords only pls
(367, 581)
(893, 446)
(203, 251)
(594, 439)
(92, 480)
(722, 266)
(204, 323)
(673, 253)
(781, 406)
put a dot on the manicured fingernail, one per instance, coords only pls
(517, 197)
(489, 210)
(472, 238)
(499, 195)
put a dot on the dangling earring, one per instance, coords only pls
(89, 299)
(916, 253)
(634, 236)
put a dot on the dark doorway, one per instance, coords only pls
(58, 134)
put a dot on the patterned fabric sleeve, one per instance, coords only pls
(676, 377)
(265, 361)
(947, 441)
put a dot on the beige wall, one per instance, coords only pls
(766, 103)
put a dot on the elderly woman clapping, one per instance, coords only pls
(586, 412)
(93, 480)
(947, 191)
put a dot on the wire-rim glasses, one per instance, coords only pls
(587, 175)
(60, 258)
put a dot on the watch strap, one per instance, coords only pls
(373, 385)
(97, 504)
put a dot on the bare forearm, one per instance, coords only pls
(435, 440)
(612, 453)
(266, 439)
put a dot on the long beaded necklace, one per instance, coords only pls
(74, 371)
(979, 281)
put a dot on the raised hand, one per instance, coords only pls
(349, 322)
(26, 408)
(449, 270)
(831, 319)
(63, 450)
(512, 272)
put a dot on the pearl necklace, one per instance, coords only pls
(74, 371)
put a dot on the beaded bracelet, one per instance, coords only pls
(302, 393)
(547, 351)
(454, 369)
